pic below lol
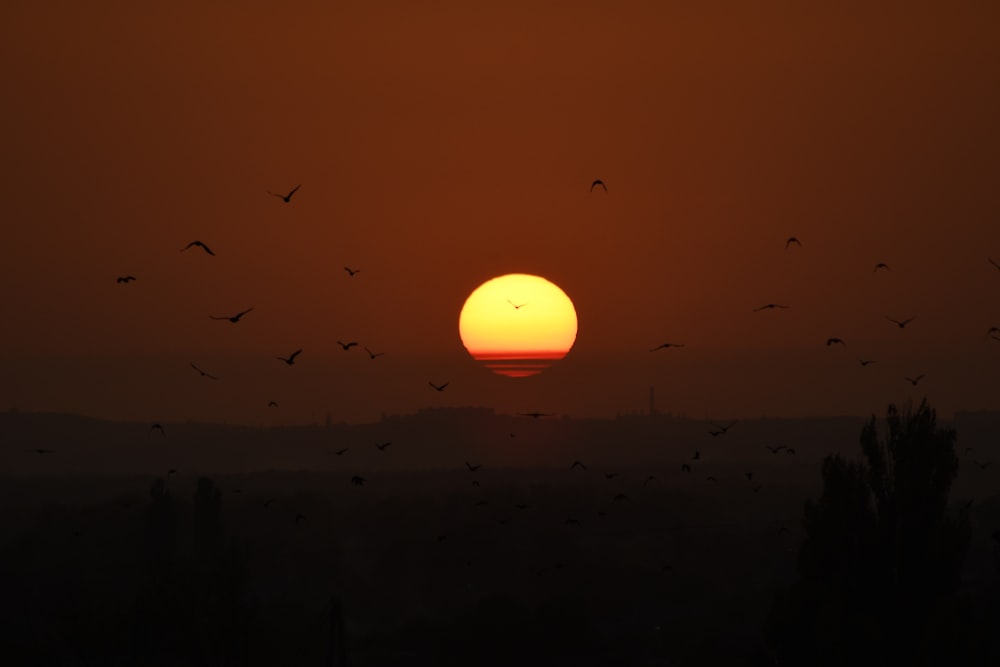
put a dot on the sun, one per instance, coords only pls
(518, 324)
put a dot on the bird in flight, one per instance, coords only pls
(438, 387)
(685, 467)
(619, 496)
(290, 359)
(272, 404)
(983, 465)
(880, 265)
(578, 464)
(791, 240)
(991, 331)
(299, 518)
(382, 445)
(351, 272)
(204, 374)
(571, 522)
(997, 266)
(724, 429)
(347, 346)
(697, 455)
(711, 478)
(157, 426)
(372, 355)
(40, 451)
(357, 480)
(517, 306)
(665, 346)
(769, 306)
(287, 198)
(341, 452)
(535, 415)
(901, 324)
(124, 279)
(596, 183)
(235, 318)
(774, 450)
(835, 341)
(866, 362)
(269, 502)
(473, 468)
(915, 380)
(650, 478)
(200, 245)
(611, 475)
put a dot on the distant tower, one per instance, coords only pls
(652, 400)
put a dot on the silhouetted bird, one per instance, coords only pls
(749, 476)
(204, 374)
(791, 240)
(357, 480)
(571, 522)
(610, 475)
(372, 355)
(789, 450)
(535, 415)
(866, 362)
(287, 198)
(619, 496)
(710, 478)
(157, 426)
(757, 488)
(290, 359)
(880, 265)
(442, 538)
(476, 484)
(969, 450)
(983, 465)
(995, 265)
(299, 518)
(341, 452)
(347, 346)
(774, 450)
(915, 380)
(522, 506)
(664, 346)
(516, 305)
(269, 502)
(770, 306)
(504, 521)
(901, 324)
(198, 244)
(272, 404)
(835, 341)
(438, 387)
(124, 279)
(724, 429)
(667, 568)
(697, 455)
(650, 478)
(40, 451)
(716, 434)
(578, 464)
(482, 503)
(382, 445)
(350, 271)
(473, 468)
(235, 318)
(596, 183)
(172, 471)
(685, 467)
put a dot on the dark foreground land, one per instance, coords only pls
(630, 565)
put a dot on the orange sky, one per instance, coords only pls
(440, 144)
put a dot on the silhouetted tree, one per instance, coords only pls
(880, 563)
(155, 619)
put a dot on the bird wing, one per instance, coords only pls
(294, 190)
(295, 354)
(993, 263)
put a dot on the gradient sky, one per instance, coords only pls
(440, 144)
